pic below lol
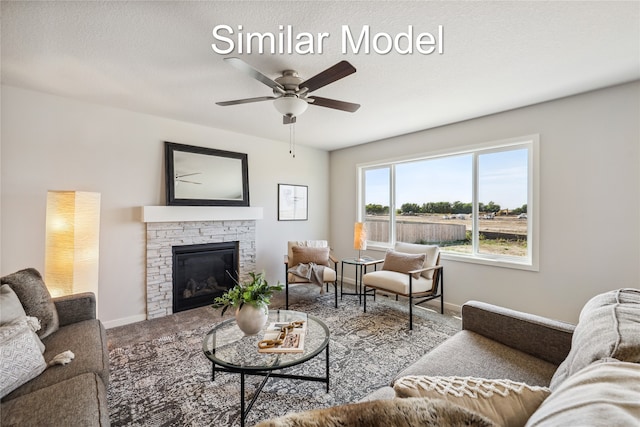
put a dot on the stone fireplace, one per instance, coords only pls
(169, 227)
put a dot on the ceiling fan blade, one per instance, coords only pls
(245, 101)
(330, 75)
(332, 103)
(287, 120)
(248, 69)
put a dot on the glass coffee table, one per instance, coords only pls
(229, 350)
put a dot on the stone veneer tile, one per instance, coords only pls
(162, 236)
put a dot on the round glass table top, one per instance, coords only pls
(228, 346)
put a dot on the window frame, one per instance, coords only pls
(530, 142)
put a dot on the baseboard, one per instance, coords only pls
(452, 309)
(124, 321)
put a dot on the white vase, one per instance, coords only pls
(250, 319)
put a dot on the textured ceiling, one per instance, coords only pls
(156, 58)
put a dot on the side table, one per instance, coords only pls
(361, 265)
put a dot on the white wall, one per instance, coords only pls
(53, 143)
(589, 200)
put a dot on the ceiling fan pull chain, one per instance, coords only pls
(292, 139)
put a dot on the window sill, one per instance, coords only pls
(493, 262)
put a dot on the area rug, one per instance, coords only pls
(166, 381)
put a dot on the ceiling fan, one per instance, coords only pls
(291, 93)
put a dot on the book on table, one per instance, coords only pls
(286, 335)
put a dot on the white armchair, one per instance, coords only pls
(306, 252)
(410, 270)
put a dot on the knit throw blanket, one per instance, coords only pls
(310, 272)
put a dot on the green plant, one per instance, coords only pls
(256, 292)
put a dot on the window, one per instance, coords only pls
(377, 201)
(476, 203)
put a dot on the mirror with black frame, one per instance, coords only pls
(199, 176)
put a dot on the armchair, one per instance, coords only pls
(411, 270)
(302, 253)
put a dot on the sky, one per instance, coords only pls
(502, 180)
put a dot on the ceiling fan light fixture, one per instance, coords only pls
(290, 105)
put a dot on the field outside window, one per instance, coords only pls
(475, 204)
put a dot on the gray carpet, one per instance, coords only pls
(160, 377)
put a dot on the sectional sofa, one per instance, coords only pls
(509, 368)
(73, 394)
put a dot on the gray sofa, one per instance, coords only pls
(515, 369)
(73, 394)
(495, 342)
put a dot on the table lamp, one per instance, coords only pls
(360, 238)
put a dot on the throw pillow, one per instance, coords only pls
(383, 413)
(605, 393)
(607, 328)
(432, 252)
(20, 357)
(505, 402)
(403, 263)
(10, 307)
(11, 310)
(306, 255)
(35, 298)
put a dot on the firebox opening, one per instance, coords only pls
(203, 272)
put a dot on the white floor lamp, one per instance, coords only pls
(72, 242)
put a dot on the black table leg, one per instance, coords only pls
(242, 413)
(341, 280)
(359, 284)
(244, 408)
(327, 366)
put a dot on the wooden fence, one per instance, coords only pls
(414, 232)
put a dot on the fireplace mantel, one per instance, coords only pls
(199, 213)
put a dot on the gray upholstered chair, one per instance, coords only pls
(310, 251)
(410, 270)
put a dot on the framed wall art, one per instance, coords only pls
(292, 202)
(199, 176)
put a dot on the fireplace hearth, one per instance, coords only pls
(202, 272)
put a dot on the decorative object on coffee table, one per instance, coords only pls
(251, 319)
(283, 337)
(251, 300)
